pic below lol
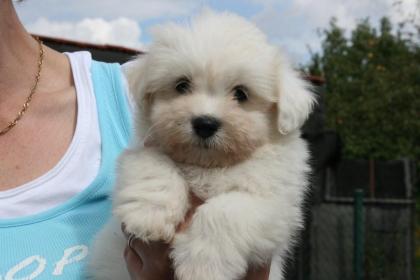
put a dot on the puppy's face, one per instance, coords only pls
(209, 93)
(209, 117)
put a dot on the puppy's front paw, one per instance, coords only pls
(200, 255)
(149, 224)
(151, 197)
(153, 215)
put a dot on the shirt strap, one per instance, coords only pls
(114, 115)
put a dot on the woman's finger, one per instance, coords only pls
(261, 273)
(133, 262)
(148, 261)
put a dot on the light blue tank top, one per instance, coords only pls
(55, 244)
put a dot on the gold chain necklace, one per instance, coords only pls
(29, 98)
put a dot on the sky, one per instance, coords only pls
(292, 25)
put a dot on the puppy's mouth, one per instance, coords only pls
(216, 151)
(205, 141)
(207, 144)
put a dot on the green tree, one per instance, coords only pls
(372, 89)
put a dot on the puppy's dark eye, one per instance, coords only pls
(240, 93)
(183, 85)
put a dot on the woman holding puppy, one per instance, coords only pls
(64, 119)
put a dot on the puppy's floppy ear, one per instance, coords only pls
(295, 99)
(134, 73)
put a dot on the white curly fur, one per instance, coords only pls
(252, 174)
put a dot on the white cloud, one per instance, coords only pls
(136, 9)
(101, 21)
(406, 9)
(121, 31)
(293, 24)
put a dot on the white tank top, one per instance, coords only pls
(78, 166)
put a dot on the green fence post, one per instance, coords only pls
(358, 254)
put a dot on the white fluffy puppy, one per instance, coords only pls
(223, 109)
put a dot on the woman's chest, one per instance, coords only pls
(38, 141)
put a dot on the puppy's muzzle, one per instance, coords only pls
(205, 126)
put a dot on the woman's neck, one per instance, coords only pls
(18, 52)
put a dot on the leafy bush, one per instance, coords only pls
(372, 88)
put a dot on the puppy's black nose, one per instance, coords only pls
(205, 126)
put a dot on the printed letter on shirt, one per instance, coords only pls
(26, 262)
(71, 255)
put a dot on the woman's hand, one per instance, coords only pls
(150, 261)
(261, 273)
